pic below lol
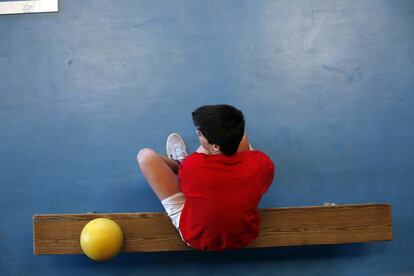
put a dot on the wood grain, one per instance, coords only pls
(150, 232)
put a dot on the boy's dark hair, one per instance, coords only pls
(220, 124)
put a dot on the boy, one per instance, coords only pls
(213, 201)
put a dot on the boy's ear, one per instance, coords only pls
(216, 147)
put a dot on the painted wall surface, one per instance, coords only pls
(326, 88)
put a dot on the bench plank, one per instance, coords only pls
(151, 232)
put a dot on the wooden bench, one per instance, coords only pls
(150, 232)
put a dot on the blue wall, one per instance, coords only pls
(326, 87)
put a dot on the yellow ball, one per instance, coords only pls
(101, 239)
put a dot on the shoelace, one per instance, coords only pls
(180, 152)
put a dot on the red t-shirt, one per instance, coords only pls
(222, 195)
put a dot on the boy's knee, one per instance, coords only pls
(145, 155)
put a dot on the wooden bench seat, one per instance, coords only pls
(150, 232)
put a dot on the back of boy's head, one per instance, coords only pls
(222, 125)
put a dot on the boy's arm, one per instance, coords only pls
(270, 174)
(244, 144)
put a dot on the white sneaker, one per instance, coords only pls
(176, 148)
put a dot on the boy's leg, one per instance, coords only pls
(173, 164)
(159, 172)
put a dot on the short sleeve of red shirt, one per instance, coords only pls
(222, 197)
